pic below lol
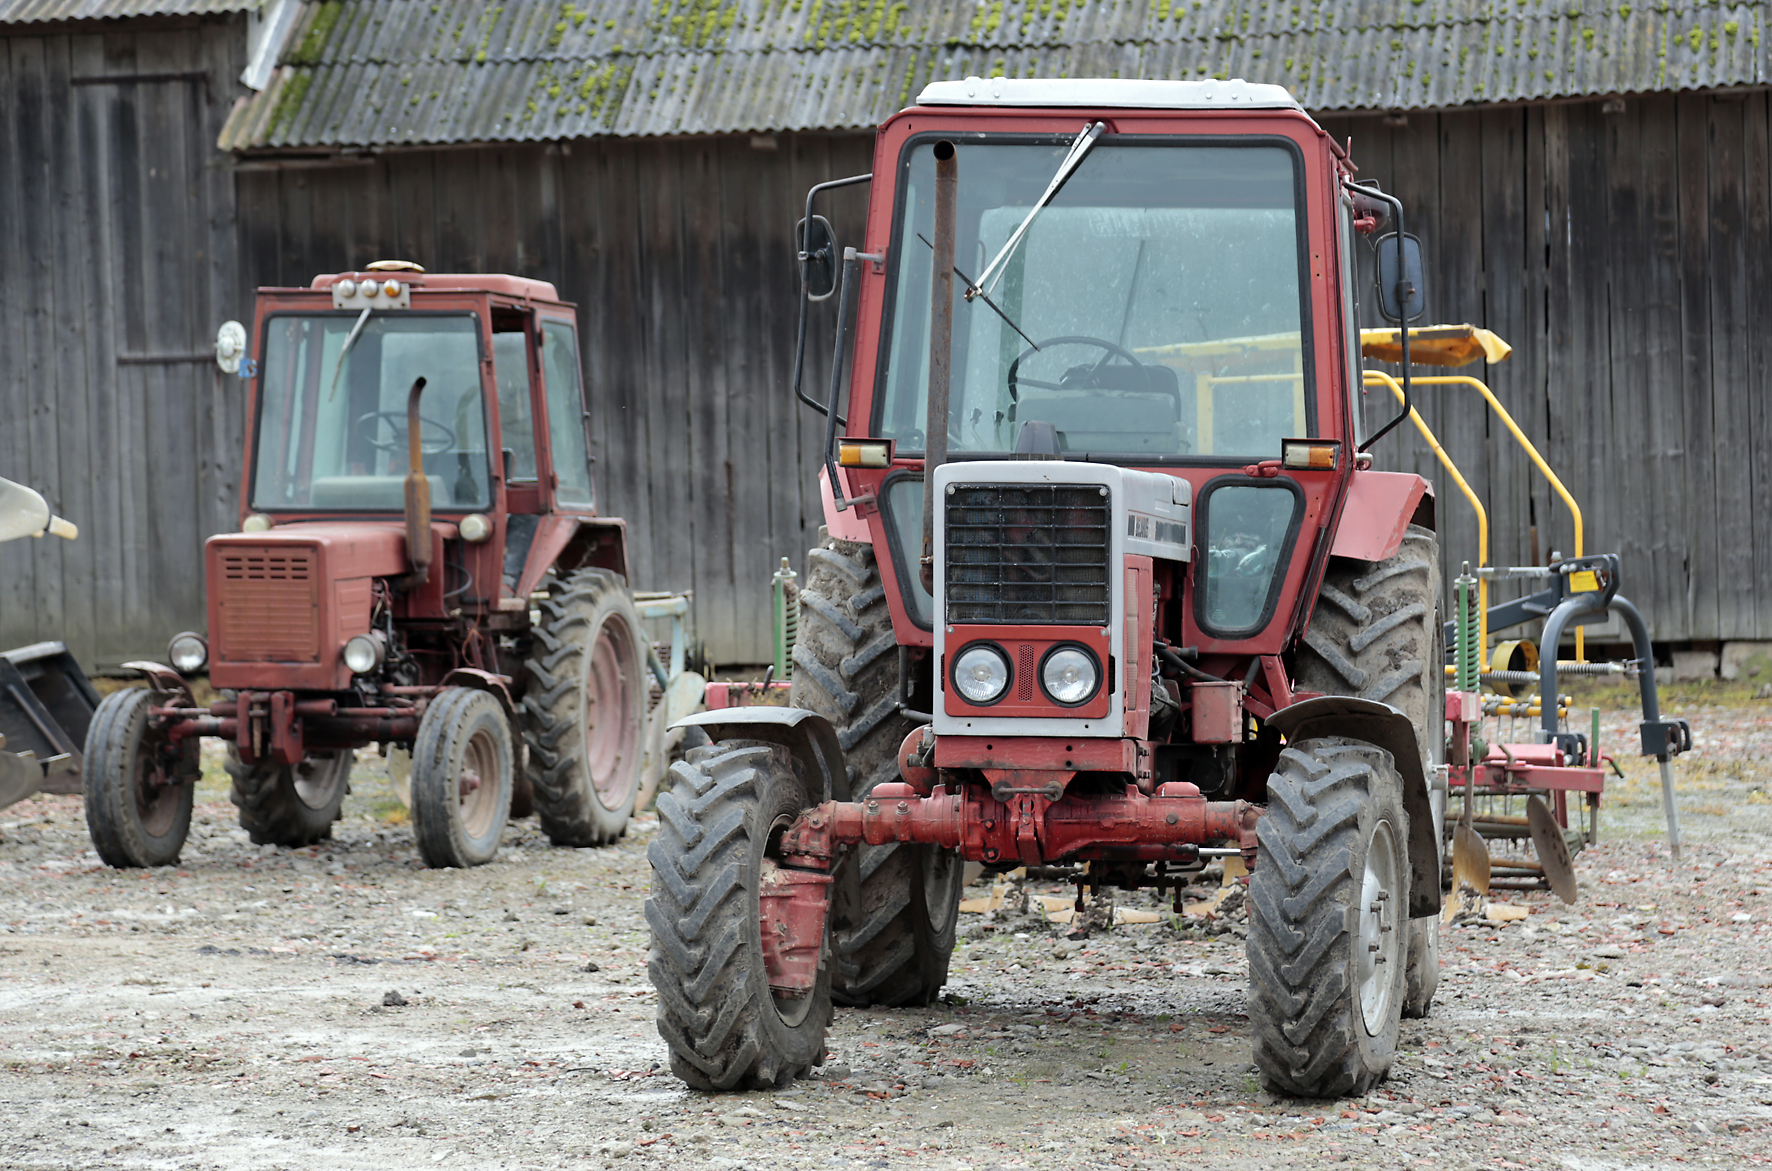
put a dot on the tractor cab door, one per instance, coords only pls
(514, 365)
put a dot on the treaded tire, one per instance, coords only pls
(130, 824)
(1376, 634)
(464, 743)
(896, 906)
(585, 709)
(284, 806)
(1323, 1028)
(725, 1029)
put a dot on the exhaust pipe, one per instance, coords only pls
(418, 492)
(941, 335)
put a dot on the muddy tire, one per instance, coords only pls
(1376, 634)
(463, 761)
(289, 806)
(138, 791)
(1326, 920)
(585, 709)
(896, 905)
(725, 1027)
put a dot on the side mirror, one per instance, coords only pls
(1402, 295)
(818, 257)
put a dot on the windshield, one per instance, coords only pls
(336, 439)
(1152, 310)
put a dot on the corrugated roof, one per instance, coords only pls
(365, 73)
(42, 11)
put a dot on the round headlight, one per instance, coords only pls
(981, 673)
(346, 287)
(475, 528)
(369, 288)
(257, 522)
(1069, 676)
(187, 653)
(391, 288)
(363, 653)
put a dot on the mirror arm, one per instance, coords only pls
(845, 310)
(806, 292)
(1396, 206)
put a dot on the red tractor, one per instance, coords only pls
(1109, 586)
(420, 566)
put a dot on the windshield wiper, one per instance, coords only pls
(986, 299)
(993, 271)
(350, 340)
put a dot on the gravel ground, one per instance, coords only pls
(340, 1006)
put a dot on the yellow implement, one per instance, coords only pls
(1435, 345)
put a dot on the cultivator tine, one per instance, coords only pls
(1553, 851)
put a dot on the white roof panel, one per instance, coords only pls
(1106, 92)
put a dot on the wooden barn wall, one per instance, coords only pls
(1623, 254)
(117, 263)
(679, 255)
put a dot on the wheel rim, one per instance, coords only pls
(1378, 939)
(611, 732)
(156, 794)
(317, 780)
(477, 786)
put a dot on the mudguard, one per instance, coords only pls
(497, 686)
(1385, 727)
(808, 734)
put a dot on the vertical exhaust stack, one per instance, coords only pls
(941, 333)
(418, 492)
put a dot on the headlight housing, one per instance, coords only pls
(187, 652)
(475, 527)
(256, 522)
(364, 653)
(1070, 675)
(981, 673)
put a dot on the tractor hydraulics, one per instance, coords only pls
(420, 567)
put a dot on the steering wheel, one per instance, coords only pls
(397, 422)
(1073, 379)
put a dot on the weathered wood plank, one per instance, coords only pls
(1693, 402)
(1757, 241)
(1730, 332)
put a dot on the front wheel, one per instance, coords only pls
(726, 1026)
(138, 787)
(462, 763)
(290, 805)
(1329, 899)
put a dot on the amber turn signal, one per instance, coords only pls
(864, 453)
(1308, 455)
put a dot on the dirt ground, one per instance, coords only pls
(342, 1007)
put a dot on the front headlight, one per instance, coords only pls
(981, 673)
(1069, 676)
(187, 652)
(364, 653)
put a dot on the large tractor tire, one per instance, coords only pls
(1327, 919)
(585, 709)
(1376, 634)
(138, 789)
(463, 764)
(896, 905)
(282, 805)
(726, 1028)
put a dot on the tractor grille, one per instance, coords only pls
(270, 606)
(1027, 553)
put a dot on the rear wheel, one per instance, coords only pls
(585, 709)
(1327, 919)
(288, 805)
(726, 1028)
(1376, 634)
(138, 787)
(896, 904)
(461, 778)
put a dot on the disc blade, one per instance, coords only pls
(1553, 850)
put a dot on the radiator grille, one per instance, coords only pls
(1027, 553)
(270, 609)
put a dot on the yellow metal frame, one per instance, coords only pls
(1380, 378)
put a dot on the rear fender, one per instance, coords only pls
(567, 543)
(1383, 727)
(1380, 507)
(806, 733)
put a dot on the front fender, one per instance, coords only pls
(1384, 727)
(163, 679)
(806, 733)
(496, 685)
